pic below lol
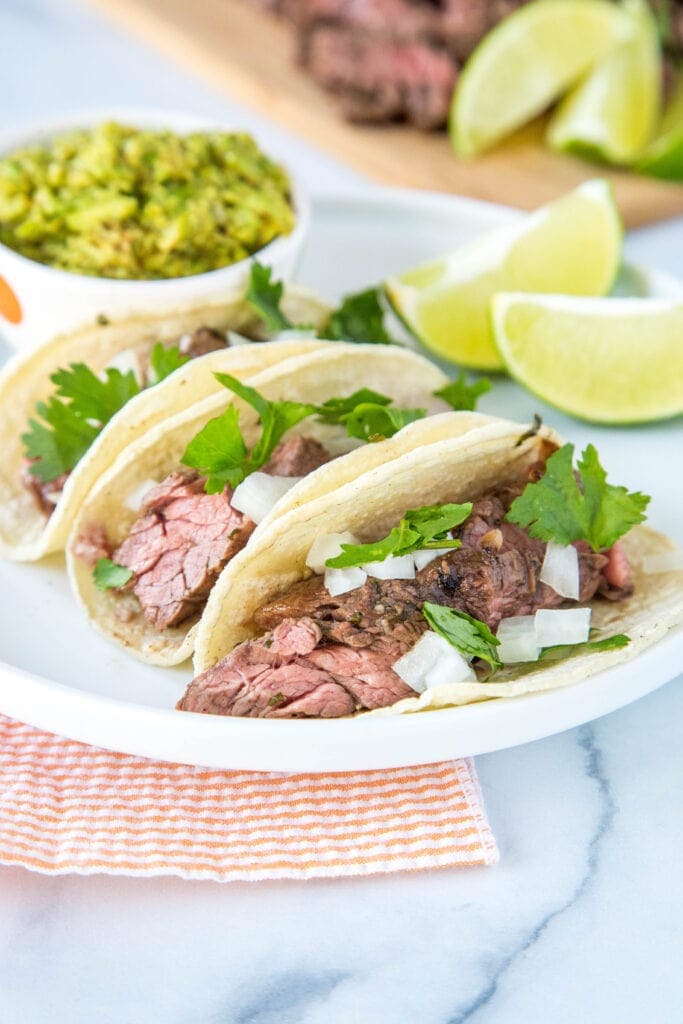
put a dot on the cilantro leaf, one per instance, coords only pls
(468, 635)
(371, 422)
(335, 409)
(609, 643)
(91, 397)
(264, 295)
(566, 507)
(461, 395)
(359, 318)
(71, 419)
(163, 361)
(109, 575)
(219, 450)
(366, 415)
(421, 528)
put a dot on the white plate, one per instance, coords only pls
(59, 675)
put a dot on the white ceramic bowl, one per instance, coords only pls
(38, 302)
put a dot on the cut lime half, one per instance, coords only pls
(614, 113)
(527, 62)
(572, 245)
(604, 360)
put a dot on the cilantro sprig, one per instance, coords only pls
(359, 318)
(219, 450)
(110, 575)
(367, 415)
(468, 635)
(264, 296)
(420, 528)
(566, 506)
(461, 395)
(83, 403)
(608, 643)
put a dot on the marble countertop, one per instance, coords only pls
(580, 921)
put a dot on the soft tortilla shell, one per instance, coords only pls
(336, 368)
(454, 457)
(25, 533)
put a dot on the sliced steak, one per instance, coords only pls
(375, 80)
(178, 547)
(185, 537)
(91, 545)
(45, 494)
(201, 342)
(292, 673)
(297, 456)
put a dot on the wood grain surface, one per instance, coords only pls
(251, 56)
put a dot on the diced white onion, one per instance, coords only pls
(451, 667)
(430, 663)
(328, 545)
(125, 361)
(560, 569)
(518, 640)
(394, 567)
(423, 558)
(340, 581)
(235, 339)
(136, 497)
(294, 333)
(258, 494)
(562, 626)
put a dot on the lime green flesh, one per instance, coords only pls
(614, 113)
(573, 245)
(604, 360)
(527, 62)
(664, 157)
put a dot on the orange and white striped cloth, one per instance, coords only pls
(69, 808)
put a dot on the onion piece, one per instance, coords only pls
(328, 545)
(134, 500)
(235, 339)
(428, 555)
(518, 641)
(394, 567)
(340, 581)
(432, 662)
(560, 569)
(562, 626)
(259, 493)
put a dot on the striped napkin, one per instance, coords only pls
(66, 807)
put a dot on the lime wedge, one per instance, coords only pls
(664, 156)
(605, 360)
(614, 114)
(528, 61)
(572, 245)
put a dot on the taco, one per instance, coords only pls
(68, 408)
(480, 564)
(179, 503)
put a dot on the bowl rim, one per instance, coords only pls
(181, 123)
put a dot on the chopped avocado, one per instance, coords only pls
(120, 202)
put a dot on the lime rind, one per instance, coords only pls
(664, 156)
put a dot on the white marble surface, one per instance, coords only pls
(580, 922)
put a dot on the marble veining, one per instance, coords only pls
(580, 921)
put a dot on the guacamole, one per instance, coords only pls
(120, 202)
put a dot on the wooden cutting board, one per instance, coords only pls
(250, 55)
